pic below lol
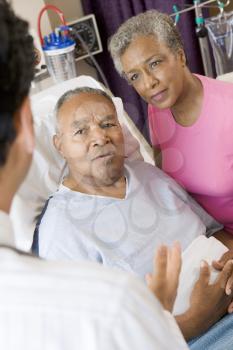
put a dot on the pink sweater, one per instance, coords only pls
(200, 157)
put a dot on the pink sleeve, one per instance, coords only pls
(152, 129)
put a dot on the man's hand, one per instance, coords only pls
(219, 265)
(225, 237)
(165, 278)
(208, 302)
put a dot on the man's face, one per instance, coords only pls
(154, 71)
(90, 139)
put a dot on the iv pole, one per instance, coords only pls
(202, 33)
(202, 4)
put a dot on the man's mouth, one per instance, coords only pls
(159, 97)
(104, 156)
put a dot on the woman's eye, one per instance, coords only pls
(134, 77)
(154, 64)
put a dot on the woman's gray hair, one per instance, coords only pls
(75, 92)
(148, 23)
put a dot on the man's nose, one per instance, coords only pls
(150, 81)
(99, 137)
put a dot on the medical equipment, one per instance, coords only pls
(86, 35)
(201, 4)
(82, 41)
(202, 30)
(202, 35)
(58, 48)
(221, 37)
(176, 12)
(87, 29)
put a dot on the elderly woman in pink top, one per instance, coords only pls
(190, 116)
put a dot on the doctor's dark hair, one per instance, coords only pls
(16, 72)
(149, 23)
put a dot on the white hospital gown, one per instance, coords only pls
(122, 233)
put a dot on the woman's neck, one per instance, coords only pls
(187, 108)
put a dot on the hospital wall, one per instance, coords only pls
(29, 11)
(72, 10)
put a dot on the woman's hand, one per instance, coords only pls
(163, 282)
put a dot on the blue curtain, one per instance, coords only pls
(110, 14)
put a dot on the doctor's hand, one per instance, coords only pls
(208, 302)
(163, 282)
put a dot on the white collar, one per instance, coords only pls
(6, 230)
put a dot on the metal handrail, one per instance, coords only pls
(203, 4)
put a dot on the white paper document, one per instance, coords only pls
(202, 248)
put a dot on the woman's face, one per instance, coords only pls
(155, 72)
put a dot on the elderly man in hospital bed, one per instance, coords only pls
(115, 211)
(46, 305)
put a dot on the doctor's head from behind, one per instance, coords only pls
(16, 131)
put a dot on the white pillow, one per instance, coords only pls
(48, 167)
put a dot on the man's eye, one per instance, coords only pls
(108, 125)
(79, 132)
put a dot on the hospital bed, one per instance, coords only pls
(48, 168)
(228, 77)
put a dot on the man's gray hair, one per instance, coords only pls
(150, 22)
(78, 91)
(75, 92)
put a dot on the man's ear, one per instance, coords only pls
(57, 144)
